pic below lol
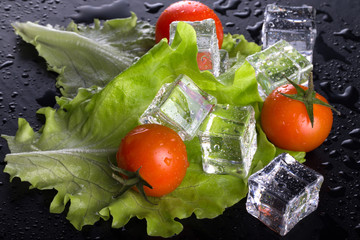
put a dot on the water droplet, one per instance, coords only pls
(352, 144)
(12, 106)
(7, 8)
(231, 5)
(258, 12)
(217, 147)
(282, 186)
(255, 30)
(351, 163)
(355, 132)
(153, 7)
(327, 165)
(6, 64)
(243, 14)
(337, 191)
(10, 56)
(334, 153)
(257, 4)
(326, 16)
(347, 33)
(357, 229)
(345, 176)
(87, 13)
(348, 98)
(167, 161)
(14, 94)
(229, 24)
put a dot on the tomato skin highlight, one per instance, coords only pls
(287, 125)
(186, 11)
(160, 154)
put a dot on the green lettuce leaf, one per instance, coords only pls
(85, 56)
(238, 48)
(70, 152)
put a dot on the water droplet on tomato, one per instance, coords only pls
(167, 161)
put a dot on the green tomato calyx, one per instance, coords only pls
(133, 179)
(308, 97)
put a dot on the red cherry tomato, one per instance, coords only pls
(287, 125)
(186, 11)
(160, 154)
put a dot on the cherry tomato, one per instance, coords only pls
(186, 11)
(160, 154)
(287, 125)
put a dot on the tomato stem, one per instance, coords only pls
(132, 179)
(308, 97)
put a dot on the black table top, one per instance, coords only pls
(26, 85)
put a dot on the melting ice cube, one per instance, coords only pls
(228, 140)
(208, 57)
(294, 24)
(283, 192)
(277, 61)
(180, 105)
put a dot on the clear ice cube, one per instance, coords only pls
(294, 24)
(181, 106)
(274, 63)
(208, 57)
(228, 140)
(283, 192)
(224, 61)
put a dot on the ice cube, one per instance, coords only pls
(283, 192)
(295, 24)
(228, 140)
(208, 57)
(224, 61)
(180, 105)
(274, 63)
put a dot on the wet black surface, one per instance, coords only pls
(26, 85)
